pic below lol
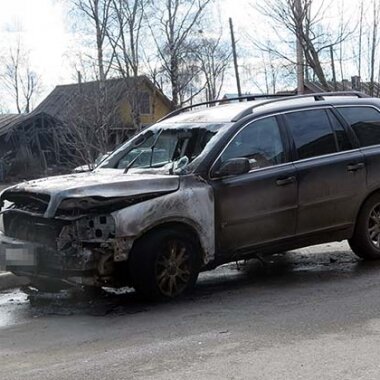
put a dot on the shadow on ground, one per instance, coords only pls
(276, 272)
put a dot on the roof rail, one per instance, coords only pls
(240, 98)
(317, 97)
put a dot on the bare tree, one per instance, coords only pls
(125, 38)
(341, 43)
(271, 71)
(30, 86)
(299, 13)
(177, 21)
(98, 13)
(85, 131)
(82, 69)
(303, 20)
(374, 43)
(268, 72)
(19, 79)
(214, 57)
(360, 38)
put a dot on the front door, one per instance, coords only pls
(261, 205)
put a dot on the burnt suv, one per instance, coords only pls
(217, 184)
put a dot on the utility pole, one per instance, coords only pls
(235, 58)
(300, 65)
(333, 67)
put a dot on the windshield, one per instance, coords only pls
(169, 146)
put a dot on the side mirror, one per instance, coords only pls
(233, 166)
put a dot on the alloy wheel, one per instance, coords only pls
(374, 226)
(173, 268)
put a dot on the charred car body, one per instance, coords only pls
(202, 188)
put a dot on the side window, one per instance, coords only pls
(342, 139)
(260, 142)
(365, 121)
(312, 133)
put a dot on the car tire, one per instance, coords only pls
(165, 264)
(365, 241)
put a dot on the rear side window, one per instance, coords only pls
(312, 133)
(365, 121)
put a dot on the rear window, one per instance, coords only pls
(365, 121)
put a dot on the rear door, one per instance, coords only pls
(261, 205)
(365, 122)
(330, 170)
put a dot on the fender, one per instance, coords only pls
(192, 204)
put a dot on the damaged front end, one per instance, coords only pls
(77, 246)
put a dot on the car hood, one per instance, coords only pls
(106, 183)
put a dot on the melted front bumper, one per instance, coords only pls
(35, 260)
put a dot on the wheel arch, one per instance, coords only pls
(181, 226)
(368, 196)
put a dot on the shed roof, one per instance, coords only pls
(69, 99)
(9, 121)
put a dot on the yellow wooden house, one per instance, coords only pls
(126, 105)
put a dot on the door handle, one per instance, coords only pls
(285, 181)
(355, 167)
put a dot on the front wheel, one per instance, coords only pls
(366, 239)
(165, 264)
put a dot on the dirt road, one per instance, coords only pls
(305, 315)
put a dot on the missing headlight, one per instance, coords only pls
(95, 228)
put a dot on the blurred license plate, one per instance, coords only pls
(24, 256)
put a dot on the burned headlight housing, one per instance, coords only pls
(99, 205)
(95, 228)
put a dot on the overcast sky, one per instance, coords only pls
(41, 24)
(46, 31)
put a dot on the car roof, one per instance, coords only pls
(227, 113)
(217, 114)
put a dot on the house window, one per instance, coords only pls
(144, 103)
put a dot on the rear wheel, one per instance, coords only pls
(366, 239)
(165, 264)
